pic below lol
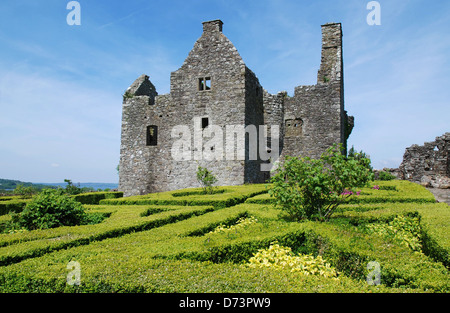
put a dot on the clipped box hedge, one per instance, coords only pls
(231, 195)
(17, 204)
(131, 263)
(95, 197)
(19, 246)
(389, 191)
(14, 205)
(166, 248)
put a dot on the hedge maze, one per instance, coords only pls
(184, 241)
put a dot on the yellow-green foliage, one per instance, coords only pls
(404, 229)
(279, 257)
(242, 223)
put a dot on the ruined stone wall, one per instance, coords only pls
(315, 117)
(312, 121)
(274, 115)
(254, 115)
(135, 158)
(428, 164)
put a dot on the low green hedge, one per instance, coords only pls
(130, 263)
(172, 276)
(15, 205)
(434, 220)
(388, 192)
(231, 195)
(19, 246)
(95, 197)
(163, 248)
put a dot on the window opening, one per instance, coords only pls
(205, 122)
(204, 83)
(152, 135)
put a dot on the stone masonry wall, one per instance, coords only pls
(315, 117)
(429, 164)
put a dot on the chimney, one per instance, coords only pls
(331, 67)
(212, 26)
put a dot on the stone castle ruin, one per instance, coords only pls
(214, 91)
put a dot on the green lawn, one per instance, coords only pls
(164, 243)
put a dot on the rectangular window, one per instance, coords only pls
(205, 122)
(204, 83)
(152, 135)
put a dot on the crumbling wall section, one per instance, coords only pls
(315, 118)
(428, 164)
(135, 157)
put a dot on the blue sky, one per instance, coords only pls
(61, 86)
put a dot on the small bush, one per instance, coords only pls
(51, 208)
(385, 176)
(206, 179)
(314, 188)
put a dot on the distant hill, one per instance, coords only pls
(9, 184)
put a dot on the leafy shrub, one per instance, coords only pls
(279, 257)
(206, 179)
(51, 208)
(314, 188)
(71, 189)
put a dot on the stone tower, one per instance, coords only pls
(217, 114)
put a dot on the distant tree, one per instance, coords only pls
(352, 153)
(25, 192)
(71, 189)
